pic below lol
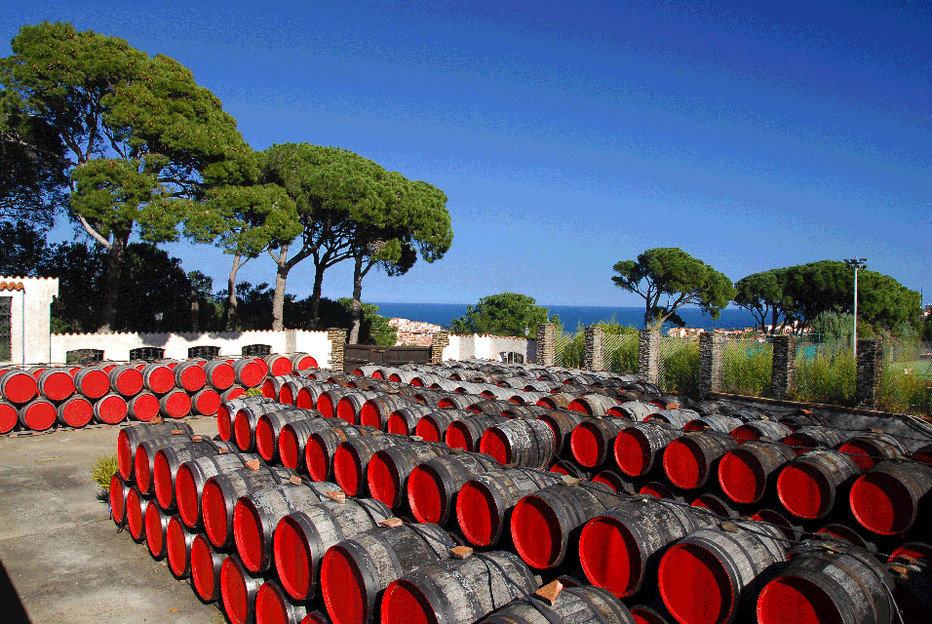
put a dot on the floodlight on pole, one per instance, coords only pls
(855, 263)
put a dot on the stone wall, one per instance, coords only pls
(869, 372)
(710, 363)
(649, 355)
(546, 343)
(783, 376)
(439, 342)
(337, 338)
(594, 357)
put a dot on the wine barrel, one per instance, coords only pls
(179, 540)
(692, 458)
(465, 432)
(193, 475)
(292, 441)
(376, 411)
(222, 491)
(389, 469)
(705, 577)
(269, 427)
(542, 523)
(869, 448)
(433, 485)
(157, 378)
(257, 513)
(593, 441)
(639, 447)
(746, 472)
(809, 486)
(75, 411)
(355, 572)
(521, 442)
(351, 460)
(206, 563)
(622, 546)
(238, 590)
(404, 420)
(828, 585)
(888, 498)
(456, 590)
(128, 440)
(302, 537)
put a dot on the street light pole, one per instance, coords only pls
(855, 263)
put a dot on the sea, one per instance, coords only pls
(573, 316)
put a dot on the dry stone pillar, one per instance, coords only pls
(869, 372)
(337, 337)
(783, 377)
(649, 355)
(594, 358)
(546, 343)
(440, 340)
(710, 363)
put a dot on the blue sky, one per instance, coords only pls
(571, 135)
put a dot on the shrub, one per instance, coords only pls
(679, 366)
(103, 470)
(747, 367)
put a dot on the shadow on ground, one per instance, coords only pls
(13, 606)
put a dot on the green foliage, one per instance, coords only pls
(927, 329)
(134, 138)
(103, 470)
(152, 282)
(747, 366)
(679, 367)
(832, 327)
(904, 391)
(374, 328)
(253, 392)
(827, 374)
(672, 275)
(828, 286)
(25, 251)
(504, 314)
(763, 294)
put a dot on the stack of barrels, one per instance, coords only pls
(347, 498)
(39, 398)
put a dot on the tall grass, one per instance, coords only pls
(826, 376)
(679, 366)
(747, 366)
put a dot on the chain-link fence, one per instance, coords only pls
(568, 349)
(906, 384)
(621, 352)
(826, 372)
(747, 366)
(679, 365)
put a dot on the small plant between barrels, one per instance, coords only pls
(102, 473)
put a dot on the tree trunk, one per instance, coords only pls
(278, 299)
(115, 260)
(232, 302)
(315, 296)
(195, 311)
(357, 302)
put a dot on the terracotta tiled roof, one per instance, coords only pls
(11, 285)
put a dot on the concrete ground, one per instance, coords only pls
(61, 557)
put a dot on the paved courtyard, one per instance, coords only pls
(61, 558)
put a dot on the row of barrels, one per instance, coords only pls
(435, 501)
(271, 546)
(729, 562)
(39, 398)
(885, 499)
